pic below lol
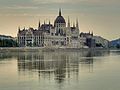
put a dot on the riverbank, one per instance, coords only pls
(42, 49)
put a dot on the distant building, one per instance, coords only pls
(87, 39)
(86, 35)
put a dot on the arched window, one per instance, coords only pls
(59, 30)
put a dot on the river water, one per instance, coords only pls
(84, 70)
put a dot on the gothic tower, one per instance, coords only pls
(39, 25)
(77, 26)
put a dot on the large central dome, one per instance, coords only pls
(59, 18)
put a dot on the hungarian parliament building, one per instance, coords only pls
(61, 34)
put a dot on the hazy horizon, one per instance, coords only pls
(101, 17)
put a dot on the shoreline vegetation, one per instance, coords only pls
(44, 49)
(8, 43)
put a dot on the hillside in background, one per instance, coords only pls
(115, 43)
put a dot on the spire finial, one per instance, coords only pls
(73, 24)
(89, 32)
(39, 24)
(77, 23)
(19, 28)
(49, 22)
(44, 22)
(59, 11)
(68, 22)
(24, 27)
(92, 33)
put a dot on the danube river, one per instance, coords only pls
(84, 70)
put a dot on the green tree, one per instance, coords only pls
(8, 43)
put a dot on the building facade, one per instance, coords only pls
(47, 35)
(30, 37)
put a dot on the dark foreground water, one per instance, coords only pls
(98, 70)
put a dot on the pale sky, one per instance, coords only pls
(100, 16)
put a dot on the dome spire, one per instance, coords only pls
(60, 19)
(60, 12)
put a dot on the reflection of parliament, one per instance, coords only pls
(57, 35)
(55, 65)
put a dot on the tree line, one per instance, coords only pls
(8, 43)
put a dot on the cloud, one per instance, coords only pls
(48, 1)
(13, 14)
(50, 4)
(21, 7)
(78, 1)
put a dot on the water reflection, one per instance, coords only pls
(115, 52)
(4, 56)
(57, 65)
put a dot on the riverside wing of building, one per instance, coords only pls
(30, 37)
